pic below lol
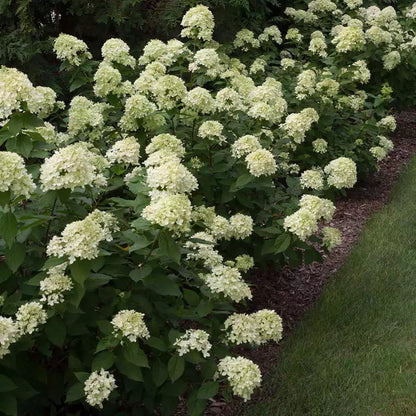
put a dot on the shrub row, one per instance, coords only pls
(130, 215)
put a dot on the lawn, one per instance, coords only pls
(355, 351)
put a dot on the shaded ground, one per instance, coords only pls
(291, 292)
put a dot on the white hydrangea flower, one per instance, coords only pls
(15, 87)
(411, 12)
(312, 178)
(259, 65)
(331, 237)
(130, 324)
(71, 49)
(328, 88)
(378, 36)
(256, 328)
(84, 114)
(227, 281)
(243, 84)
(169, 91)
(245, 40)
(242, 374)
(71, 167)
(294, 35)
(41, 101)
(342, 173)
(107, 80)
(172, 177)
(241, 226)
(166, 142)
(321, 6)
(244, 262)
(245, 145)
(317, 45)
(350, 38)
(388, 123)
(297, 124)
(193, 339)
(353, 4)
(271, 33)
(229, 100)
(125, 151)
(361, 72)
(321, 208)
(53, 287)
(287, 63)
(137, 108)
(378, 152)
(80, 239)
(198, 23)
(300, 15)
(116, 50)
(29, 316)
(320, 146)
(204, 250)
(386, 143)
(200, 100)
(306, 83)
(13, 175)
(154, 50)
(208, 60)
(261, 162)
(9, 333)
(148, 77)
(219, 227)
(355, 101)
(170, 211)
(391, 60)
(302, 223)
(98, 387)
(211, 130)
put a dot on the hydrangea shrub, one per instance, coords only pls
(131, 215)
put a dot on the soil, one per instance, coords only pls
(291, 292)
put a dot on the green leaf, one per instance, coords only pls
(208, 390)
(8, 404)
(106, 343)
(103, 360)
(282, 243)
(176, 367)
(81, 376)
(5, 272)
(134, 354)
(159, 372)
(139, 274)
(75, 392)
(128, 369)
(191, 297)
(168, 247)
(4, 198)
(15, 256)
(56, 331)
(162, 285)
(80, 271)
(196, 407)
(21, 144)
(8, 227)
(6, 384)
(157, 343)
(242, 181)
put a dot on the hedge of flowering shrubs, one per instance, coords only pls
(131, 214)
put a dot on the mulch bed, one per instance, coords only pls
(291, 292)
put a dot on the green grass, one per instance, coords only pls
(355, 351)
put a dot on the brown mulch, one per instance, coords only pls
(291, 292)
